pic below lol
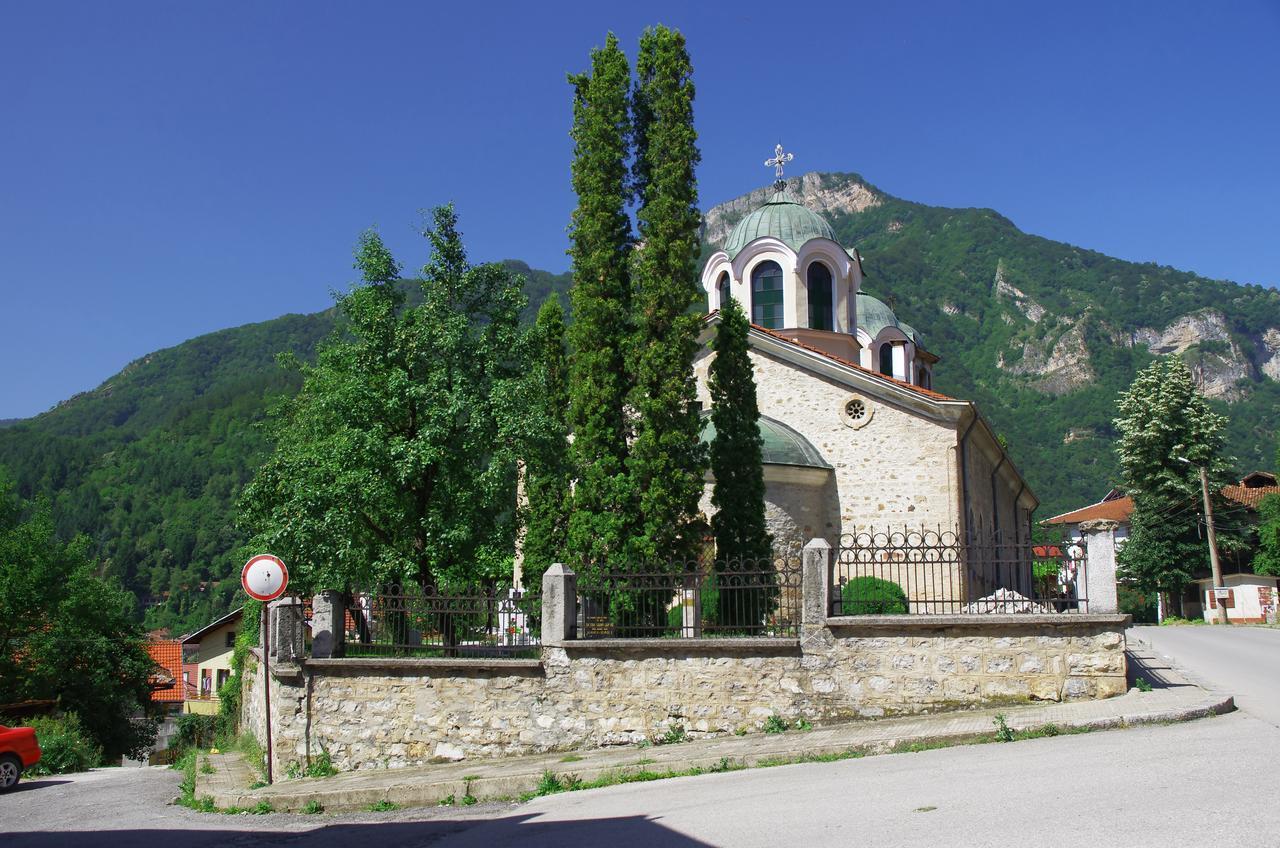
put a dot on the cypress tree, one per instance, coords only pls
(742, 542)
(667, 459)
(603, 511)
(548, 470)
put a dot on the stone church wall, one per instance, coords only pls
(897, 470)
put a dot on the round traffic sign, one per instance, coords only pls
(264, 577)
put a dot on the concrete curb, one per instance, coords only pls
(420, 787)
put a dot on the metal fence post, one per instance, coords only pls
(815, 582)
(559, 604)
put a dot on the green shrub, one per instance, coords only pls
(775, 724)
(1141, 605)
(196, 731)
(321, 766)
(872, 596)
(65, 746)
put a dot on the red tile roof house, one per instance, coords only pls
(1253, 597)
(167, 694)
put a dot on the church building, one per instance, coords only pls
(855, 438)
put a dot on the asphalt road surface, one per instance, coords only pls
(1182, 784)
(1244, 661)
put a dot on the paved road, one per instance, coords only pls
(1151, 786)
(1244, 661)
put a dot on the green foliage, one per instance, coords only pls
(775, 724)
(383, 807)
(396, 459)
(675, 734)
(742, 541)
(1004, 733)
(68, 635)
(1142, 684)
(321, 766)
(197, 731)
(231, 693)
(867, 595)
(312, 807)
(667, 461)
(549, 472)
(1133, 601)
(1163, 419)
(1267, 559)
(604, 503)
(65, 747)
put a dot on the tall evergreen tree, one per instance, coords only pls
(548, 469)
(1163, 420)
(737, 463)
(667, 459)
(396, 460)
(604, 503)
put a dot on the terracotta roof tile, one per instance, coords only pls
(1250, 496)
(1116, 509)
(166, 685)
(845, 362)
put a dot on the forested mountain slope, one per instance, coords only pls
(149, 464)
(1043, 335)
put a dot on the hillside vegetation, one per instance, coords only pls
(1043, 335)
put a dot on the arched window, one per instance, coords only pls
(722, 288)
(886, 358)
(820, 297)
(766, 295)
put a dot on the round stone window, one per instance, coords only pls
(856, 412)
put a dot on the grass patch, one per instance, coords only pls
(571, 758)
(207, 767)
(775, 724)
(551, 783)
(313, 807)
(1142, 684)
(383, 806)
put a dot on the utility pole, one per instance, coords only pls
(1213, 545)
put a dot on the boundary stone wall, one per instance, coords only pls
(390, 713)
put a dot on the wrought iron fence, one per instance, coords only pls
(468, 621)
(924, 572)
(689, 601)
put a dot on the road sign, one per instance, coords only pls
(264, 577)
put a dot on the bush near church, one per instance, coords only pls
(872, 596)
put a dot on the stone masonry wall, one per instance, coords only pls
(390, 714)
(898, 469)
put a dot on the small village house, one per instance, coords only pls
(206, 662)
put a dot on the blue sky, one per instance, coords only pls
(170, 169)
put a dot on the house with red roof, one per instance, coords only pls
(1252, 598)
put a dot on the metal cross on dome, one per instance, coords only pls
(779, 159)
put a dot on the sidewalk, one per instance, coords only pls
(1173, 698)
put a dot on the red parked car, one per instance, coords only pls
(19, 750)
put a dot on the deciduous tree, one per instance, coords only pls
(396, 460)
(68, 636)
(1164, 421)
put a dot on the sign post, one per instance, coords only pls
(264, 578)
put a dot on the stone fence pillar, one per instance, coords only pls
(284, 616)
(1099, 584)
(328, 625)
(815, 580)
(559, 604)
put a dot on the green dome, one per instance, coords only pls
(874, 315)
(782, 445)
(782, 217)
